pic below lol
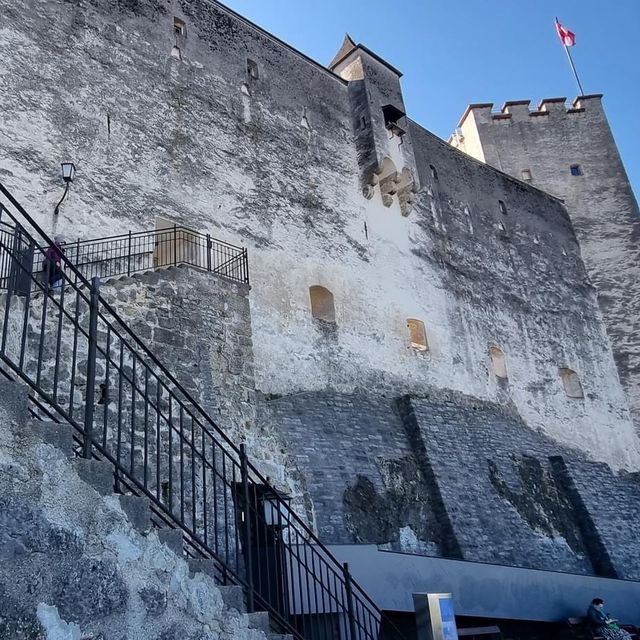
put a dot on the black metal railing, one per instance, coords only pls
(135, 252)
(84, 365)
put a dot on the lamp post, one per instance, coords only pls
(68, 173)
(273, 570)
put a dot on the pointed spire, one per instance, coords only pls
(347, 47)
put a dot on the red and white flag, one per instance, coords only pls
(568, 38)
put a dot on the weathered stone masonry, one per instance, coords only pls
(299, 163)
(551, 142)
(76, 565)
(451, 476)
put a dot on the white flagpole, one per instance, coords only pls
(573, 66)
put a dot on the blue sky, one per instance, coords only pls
(453, 53)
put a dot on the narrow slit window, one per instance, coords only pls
(576, 170)
(417, 335)
(467, 213)
(322, 304)
(571, 383)
(252, 69)
(434, 172)
(503, 207)
(498, 362)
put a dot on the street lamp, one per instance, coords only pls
(274, 503)
(68, 173)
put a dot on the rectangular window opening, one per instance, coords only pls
(526, 175)
(179, 27)
(576, 170)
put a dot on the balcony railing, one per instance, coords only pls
(136, 252)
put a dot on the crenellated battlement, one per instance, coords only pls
(521, 109)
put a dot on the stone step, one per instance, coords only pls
(97, 473)
(202, 565)
(60, 435)
(138, 511)
(14, 400)
(259, 620)
(233, 598)
(173, 539)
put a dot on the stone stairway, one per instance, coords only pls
(78, 562)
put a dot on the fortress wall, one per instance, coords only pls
(603, 209)
(498, 489)
(276, 168)
(612, 503)
(451, 476)
(517, 281)
(176, 143)
(360, 471)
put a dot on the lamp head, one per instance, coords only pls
(68, 171)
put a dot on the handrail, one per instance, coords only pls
(164, 446)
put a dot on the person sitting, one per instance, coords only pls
(603, 624)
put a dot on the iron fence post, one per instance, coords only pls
(90, 395)
(350, 610)
(245, 262)
(129, 256)
(246, 522)
(75, 278)
(208, 252)
(175, 244)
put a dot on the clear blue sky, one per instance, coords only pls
(456, 52)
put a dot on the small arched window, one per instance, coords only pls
(503, 207)
(434, 172)
(498, 362)
(417, 335)
(322, 306)
(571, 383)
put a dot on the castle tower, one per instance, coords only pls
(385, 152)
(571, 153)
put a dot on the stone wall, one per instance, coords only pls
(199, 326)
(498, 488)
(515, 280)
(547, 142)
(612, 502)
(73, 565)
(361, 475)
(451, 476)
(271, 161)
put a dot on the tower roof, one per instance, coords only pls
(347, 47)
